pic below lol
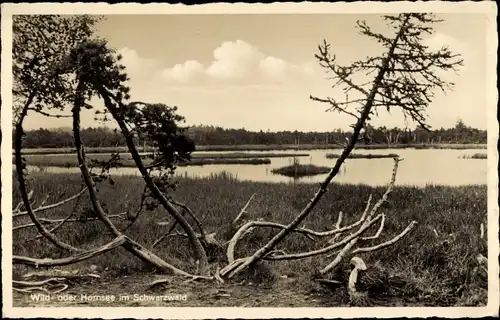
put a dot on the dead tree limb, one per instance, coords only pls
(50, 206)
(328, 248)
(67, 219)
(246, 228)
(122, 240)
(379, 231)
(262, 252)
(387, 243)
(348, 247)
(236, 220)
(46, 262)
(191, 214)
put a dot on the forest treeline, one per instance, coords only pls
(212, 135)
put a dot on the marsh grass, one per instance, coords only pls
(435, 266)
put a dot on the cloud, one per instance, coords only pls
(186, 72)
(238, 62)
(136, 64)
(234, 60)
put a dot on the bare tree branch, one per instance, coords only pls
(51, 206)
(387, 243)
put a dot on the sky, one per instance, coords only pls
(257, 71)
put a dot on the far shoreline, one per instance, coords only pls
(272, 147)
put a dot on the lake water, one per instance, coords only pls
(419, 167)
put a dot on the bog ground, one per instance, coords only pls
(435, 264)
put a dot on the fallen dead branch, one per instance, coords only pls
(243, 211)
(51, 221)
(30, 286)
(365, 222)
(17, 213)
(47, 262)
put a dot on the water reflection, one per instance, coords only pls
(420, 167)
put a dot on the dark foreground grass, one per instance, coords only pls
(270, 147)
(435, 264)
(70, 160)
(362, 156)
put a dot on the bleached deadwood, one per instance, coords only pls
(246, 228)
(359, 265)
(482, 231)
(387, 243)
(308, 253)
(68, 276)
(348, 247)
(217, 275)
(47, 262)
(357, 223)
(342, 253)
(124, 241)
(337, 226)
(51, 221)
(307, 232)
(30, 286)
(379, 231)
(51, 206)
(243, 211)
(36, 283)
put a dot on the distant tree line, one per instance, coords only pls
(212, 135)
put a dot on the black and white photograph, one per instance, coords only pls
(290, 160)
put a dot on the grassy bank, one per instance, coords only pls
(427, 266)
(362, 156)
(269, 147)
(70, 160)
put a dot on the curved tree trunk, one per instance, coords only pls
(262, 252)
(22, 182)
(196, 243)
(131, 246)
